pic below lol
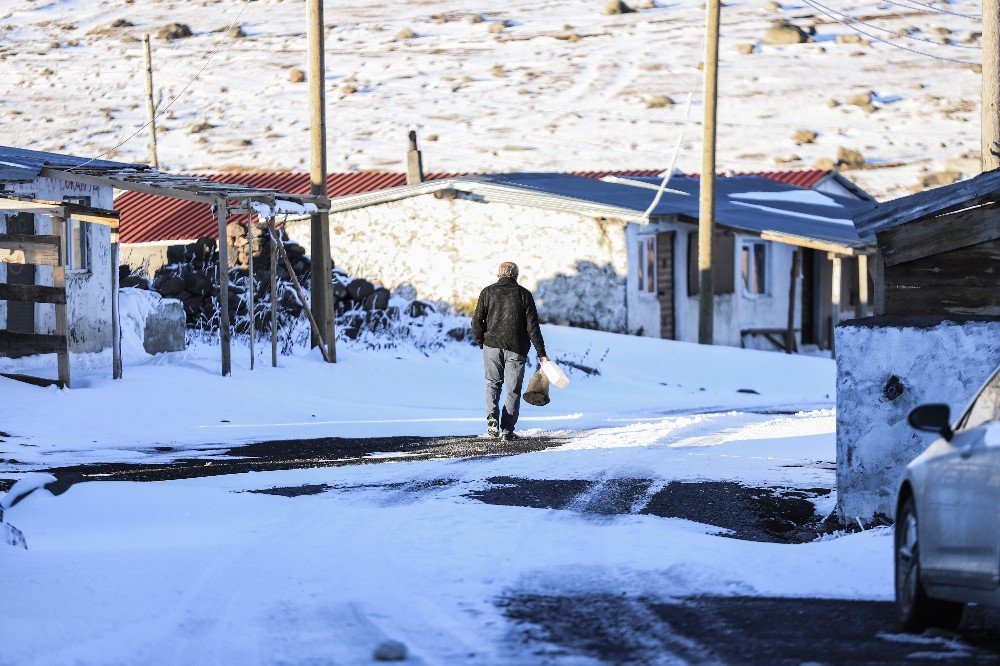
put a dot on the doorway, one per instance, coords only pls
(665, 282)
(20, 315)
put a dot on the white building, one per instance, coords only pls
(593, 258)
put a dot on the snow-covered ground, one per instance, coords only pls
(180, 399)
(201, 571)
(521, 99)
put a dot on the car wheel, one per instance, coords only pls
(915, 609)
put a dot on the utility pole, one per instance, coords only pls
(150, 104)
(706, 204)
(322, 288)
(991, 86)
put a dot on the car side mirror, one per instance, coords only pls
(932, 418)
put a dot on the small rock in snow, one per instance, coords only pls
(804, 136)
(173, 31)
(616, 7)
(785, 33)
(405, 33)
(296, 75)
(390, 651)
(746, 48)
(658, 102)
(850, 158)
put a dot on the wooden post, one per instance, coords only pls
(862, 308)
(227, 367)
(250, 284)
(990, 137)
(116, 331)
(302, 299)
(878, 277)
(150, 103)
(274, 292)
(790, 346)
(706, 207)
(322, 287)
(62, 321)
(835, 277)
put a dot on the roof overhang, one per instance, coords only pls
(189, 188)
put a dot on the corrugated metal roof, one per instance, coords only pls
(147, 218)
(18, 165)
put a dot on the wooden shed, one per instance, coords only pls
(939, 250)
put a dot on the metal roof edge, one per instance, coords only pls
(525, 196)
(388, 195)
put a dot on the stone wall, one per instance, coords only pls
(886, 366)
(450, 249)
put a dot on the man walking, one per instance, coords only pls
(505, 326)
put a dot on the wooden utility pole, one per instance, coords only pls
(991, 86)
(322, 287)
(150, 103)
(706, 205)
(222, 211)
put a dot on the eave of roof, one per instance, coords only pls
(890, 214)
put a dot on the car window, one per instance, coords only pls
(986, 407)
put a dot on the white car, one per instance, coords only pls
(948, 515)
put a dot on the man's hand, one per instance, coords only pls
(543, 359)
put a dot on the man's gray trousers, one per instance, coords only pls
(503, 368)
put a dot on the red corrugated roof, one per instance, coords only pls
(146, 218)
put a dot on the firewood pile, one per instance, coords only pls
(363, 308)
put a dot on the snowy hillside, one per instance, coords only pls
(552, 84)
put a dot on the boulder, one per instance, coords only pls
(173, 31)
(615, 7)
(746, 48)
(850, 158)
(659, 102)
(359, 289)
(785, 33)
(164, 330)
(390, 651)
(939, 178)
(296, 75)
(377, 300)
(804, 136)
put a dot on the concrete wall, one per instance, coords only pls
(88, 292)
(450, 249)
(935, 360)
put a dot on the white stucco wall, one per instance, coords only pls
(88, 293)
(946, 363)
(733, 312)
(450, 249)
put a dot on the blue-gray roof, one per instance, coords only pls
(887, 215)
(743, 203)
(21, 165)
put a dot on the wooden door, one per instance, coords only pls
(20, 315)
(665, 282)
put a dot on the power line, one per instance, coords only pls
(218, 47)
(854, 19)
(836, 18)
(931, 8)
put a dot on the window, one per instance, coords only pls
(645, 265)
(753, 265)
(651, 265)
(77, 239)
(986, 408)
(640, 265)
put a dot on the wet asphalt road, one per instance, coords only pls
(618, 629)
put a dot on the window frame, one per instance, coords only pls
(70, 234)
(747, 245)
(646, 271)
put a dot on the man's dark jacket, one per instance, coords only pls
(506, 318)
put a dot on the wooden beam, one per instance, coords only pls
(790, 346)
(116, 330)
(801, 241)
(29, 249)
(34, 381)
(835, 278)
(862, 307)
(76, 211)
(273, 235)
(250, 285)
(31, 206)
(62, 318)
(122, 184)
(227, 366)
(24, 344)
(31, 293)
(935, 235)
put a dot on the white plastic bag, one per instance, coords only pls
(555, 374)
